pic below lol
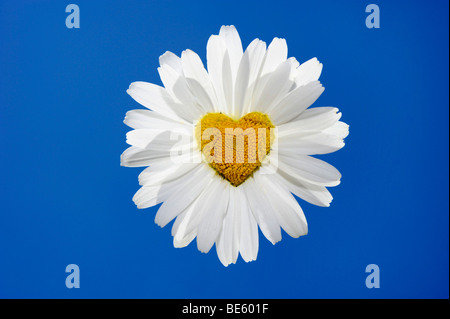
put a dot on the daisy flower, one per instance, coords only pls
(226, 147)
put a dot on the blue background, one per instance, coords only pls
(65, 199)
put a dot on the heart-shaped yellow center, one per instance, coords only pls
(235, 149)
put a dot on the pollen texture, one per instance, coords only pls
(233, 148)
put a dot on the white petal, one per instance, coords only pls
(295, 64)
(314, 194)
(339, 129)
(202, 97)
(142, 137)
(233, 44)
(186, 240)
(146, 119)
(288, 212)
(277, 84)
(198, 80)
(156, 174)
(309, 169)
(155, 193)
(172, 60)
(222, 249)
(158, 139)
(311, 120)
(292, 76)
(189, 224)
(180, 241)
(308, 71)
(180, 218)
(191, 187)
(228, 84)
(215, 53)
(227, 245)
(296, 102)
(193, 67)
(155, 98)
(148, 196)
(138, 157)
(276, 54)
(256, 52)
(248, 230)
(179, 90)
(241, 88)
(264, 217)
(310, 143)
(210, 226)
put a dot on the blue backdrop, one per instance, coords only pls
(65, 199)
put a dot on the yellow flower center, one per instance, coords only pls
(235, 149)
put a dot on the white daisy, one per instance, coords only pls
(224, 203)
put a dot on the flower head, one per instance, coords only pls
(227, 146)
